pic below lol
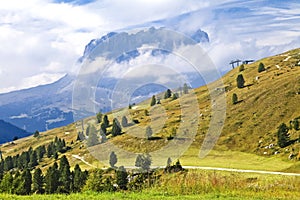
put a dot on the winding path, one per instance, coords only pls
(209, 168)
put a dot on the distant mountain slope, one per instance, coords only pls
(8, 132)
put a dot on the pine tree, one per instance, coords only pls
(40, 151)
(36, 134)
(283, 136)
(78, 180)
(122, 178)
(103, 128)
(105, 121)
(175, 96)
(116, 128)
(38, 181)
(124, 121)
(27, 181)
(240, 81)
(185, 89)
(99, 117)
(169, 162)
(113, 159)
(143, 162)
(168, 94)
(18, 184)
(8, 163)
(261, 67)
(234, 98)
(94, 181)
(102, 136)
(33, 159)
(6, 183)
(93, 138)
(52, 179)
(153, 101)
(149, 133)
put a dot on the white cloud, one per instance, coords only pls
(40, 38)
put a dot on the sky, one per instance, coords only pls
(41, 40)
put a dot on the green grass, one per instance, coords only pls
(150, 195)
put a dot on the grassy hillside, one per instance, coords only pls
(248, 139)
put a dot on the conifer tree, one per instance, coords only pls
(27, 181)
(116, 128)
(149, 133)
(283, 136)
(6, 183)
(99, 117)
(78, 180)
(33, 159)
(93, 138)
(122, 178)
(234, 98)
(261, 67)
(153, 101)
(38, 181)
(240, 81)
(52, 179)
(168, 94)
(105, 121)
(113, 159)
(143, 162)
(124, 121)
(185, 89)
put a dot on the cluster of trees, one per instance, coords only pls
(55, 147)
(31, 158)
(58, 179)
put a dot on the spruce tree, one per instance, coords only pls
(124, 121)
(78, 180)
(99, 117)
(27, 181)
(261, 67)
(116, 128)
(234, 98)
(93, 138)
(153, 101)
(38, 181)
(185, 89)
(149, 133)
(103, 128)
(283, 136)
(33, 159)
(105, 121)
(113, 159)
(122, 178)
(36, 134)
(6, 183)
(52, 179)
(240, 81)
(168, 94)
(143, 162)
